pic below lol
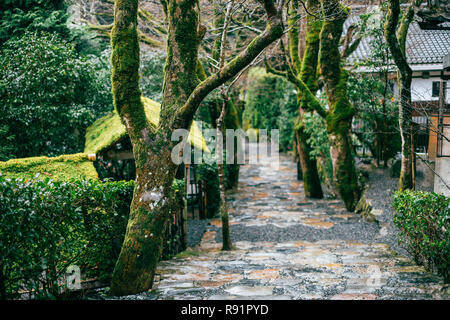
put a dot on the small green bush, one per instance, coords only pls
(424, 222)
(46, 226)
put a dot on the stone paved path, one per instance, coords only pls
(289, 247)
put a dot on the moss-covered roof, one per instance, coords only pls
(109, 130)
(65, 167)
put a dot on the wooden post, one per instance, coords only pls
(201, 202)
(440, 139)
(413, 155)
(186, 176)
(299, 167)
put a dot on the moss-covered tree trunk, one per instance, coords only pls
(340, 115)
(396, 41)
(152, 147)
(303, 74)
(307, 71)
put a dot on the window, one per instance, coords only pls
(436, 88)
(390, 86)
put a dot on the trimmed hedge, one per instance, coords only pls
(424, 222)
(46, 226)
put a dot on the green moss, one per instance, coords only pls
(125, 72)
(293, 34)
(65, 167)
(342, 110)
(184, 34)
(187, 254)
(306, 83)
(339, 118)
(109, 130)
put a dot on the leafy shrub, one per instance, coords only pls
(19, 16)
(377, 116)
(424, 222)
(208, 174)
(46, 226)
(372, 94)
(315, 127)
(49, 95)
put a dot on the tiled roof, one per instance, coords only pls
(422, 46)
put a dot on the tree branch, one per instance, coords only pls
(390, 32)
(314, 104)
(274, 30)
(105, 30)
(405, 22)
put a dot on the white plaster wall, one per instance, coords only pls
(421, 89)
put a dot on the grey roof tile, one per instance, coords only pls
(422, 46)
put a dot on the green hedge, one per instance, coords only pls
(424, 222)
(208, 173)
(46, 226)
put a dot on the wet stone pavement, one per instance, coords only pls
(289, 247)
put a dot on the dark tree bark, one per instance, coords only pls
(341, 111)
(305, 71)
(396, 40)
(182, 94)
(340, 114)
(226, 239)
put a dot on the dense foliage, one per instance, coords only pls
(49, 95)
(376, 119)
(270, 104)
(20, 16)
(47, 226)
(424, 222)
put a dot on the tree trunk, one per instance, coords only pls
(307, 71)
(226, 240)
(152, 147)
(405, 119)
(232, 121)
(149, 213)
(155, 170)
(310, 174)
(397, 42)
(341, 111)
